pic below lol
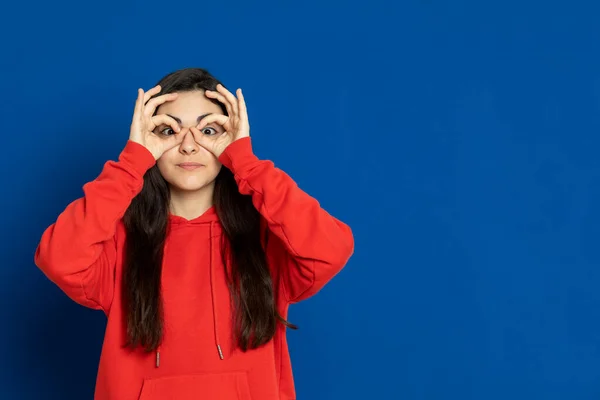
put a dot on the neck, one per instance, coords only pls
(191, 204)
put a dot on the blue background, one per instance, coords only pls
(458, 139)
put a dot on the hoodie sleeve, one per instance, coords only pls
(319, 244)
(78, 251)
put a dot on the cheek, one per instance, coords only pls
(214, 163)
(168, 156)
(162, 163)
(213, 169)
(210, 160)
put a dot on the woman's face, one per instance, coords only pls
(187, 110)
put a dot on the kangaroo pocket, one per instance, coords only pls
(207, 386)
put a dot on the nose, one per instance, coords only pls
(188, 145)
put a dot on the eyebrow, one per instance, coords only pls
(197, 119)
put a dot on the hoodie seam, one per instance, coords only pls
(285, 292)
(86, 295)
(280, 361)
(312, 283)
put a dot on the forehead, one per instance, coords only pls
(189, 105)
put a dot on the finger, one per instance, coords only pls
(138, 104)
(174, 140)
(220, 119)
(155, 102)
(222, 99)
(242, 106)
(202, 139)
(160, 119)
(156, 89)
(230, 98)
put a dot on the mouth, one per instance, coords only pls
(190, 165)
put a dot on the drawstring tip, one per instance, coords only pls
(220, 352)
(157, 359)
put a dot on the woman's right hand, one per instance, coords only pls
(144, 123)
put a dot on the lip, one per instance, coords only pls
(190, 165)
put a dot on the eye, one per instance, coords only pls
(164, 131)
(207, 130)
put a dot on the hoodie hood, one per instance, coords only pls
(210, 215)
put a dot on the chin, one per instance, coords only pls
(190, 184)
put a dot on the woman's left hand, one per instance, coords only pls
(236, 124)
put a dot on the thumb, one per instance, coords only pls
(173, 140)
(203, 140)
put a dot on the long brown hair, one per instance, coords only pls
(250, 283)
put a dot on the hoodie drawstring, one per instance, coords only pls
(213, 298)
(213, 294)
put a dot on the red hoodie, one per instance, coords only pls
(82, 253)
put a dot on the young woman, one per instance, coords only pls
(194, 248)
